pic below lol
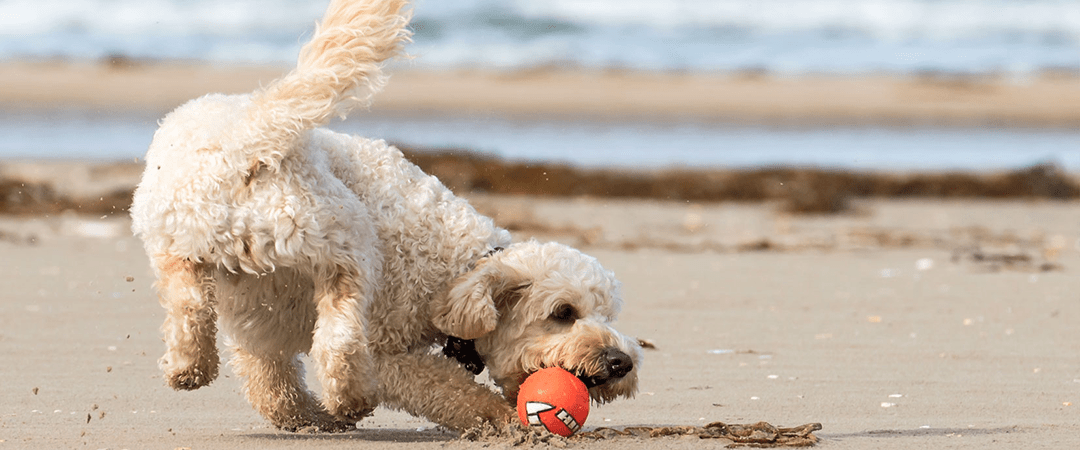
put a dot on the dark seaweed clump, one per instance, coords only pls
(798, 190)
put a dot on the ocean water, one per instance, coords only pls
(1018, 37)
(91, 136)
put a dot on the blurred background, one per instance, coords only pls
(1016, 38)
(958, 46)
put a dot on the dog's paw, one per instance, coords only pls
(186, 373)
(189, 379)
(325, 427)
(351, 411)
(500, 429)
(349, 401)
(323, 424)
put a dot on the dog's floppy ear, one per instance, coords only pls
(469, 309)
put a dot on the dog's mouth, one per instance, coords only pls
(592, 381)
(611, 364)
(614, 364)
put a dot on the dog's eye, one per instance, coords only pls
(564, 313)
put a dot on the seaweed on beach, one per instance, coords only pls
(796, 189)
(757, 435)
(799, 190)
(28, 198)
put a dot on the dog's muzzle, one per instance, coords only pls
(616, 364)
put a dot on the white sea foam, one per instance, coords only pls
(886, 19)
(1016, 36)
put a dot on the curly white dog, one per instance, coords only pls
(307, 241)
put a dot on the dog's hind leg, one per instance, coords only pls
(269, 320)
(275, 388)
(339, 347)
(186, 289)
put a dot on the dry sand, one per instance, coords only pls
(904, 325)
(1043, 101)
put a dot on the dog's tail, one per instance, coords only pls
(338, 70)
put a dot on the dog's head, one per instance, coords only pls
(536, 305)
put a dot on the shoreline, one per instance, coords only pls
(124, 86)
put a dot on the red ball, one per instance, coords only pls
(554, 400)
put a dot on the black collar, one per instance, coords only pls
(488, 254)
(464, 351)
(493, 251)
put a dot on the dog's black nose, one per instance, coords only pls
(619, 363)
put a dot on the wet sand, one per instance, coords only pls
(1048, 100)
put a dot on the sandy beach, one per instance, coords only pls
(896, 323)
(903, 324)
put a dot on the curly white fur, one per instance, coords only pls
(307, 241)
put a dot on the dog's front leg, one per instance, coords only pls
(186, 289)
(339, 347)
(440, 390)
